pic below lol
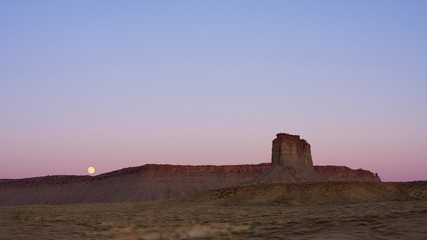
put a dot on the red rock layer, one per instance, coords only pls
(291, 150)
(149, 182)
(342, 173)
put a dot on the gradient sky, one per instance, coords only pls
(114, 84)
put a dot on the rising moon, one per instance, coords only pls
(91, 170)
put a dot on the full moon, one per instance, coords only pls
(91, 170)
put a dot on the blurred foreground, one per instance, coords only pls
(291, 211)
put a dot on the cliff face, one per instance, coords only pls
(290, 162)
(144, 183)
(342, 173)
(291, 150)
(151, 182)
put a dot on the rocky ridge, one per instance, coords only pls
(291, 163)
(148, 182)
(342, 173)
(290, 150)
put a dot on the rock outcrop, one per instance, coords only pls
(291, 150)
(342, 173)
(144, 183)
(153, 181)
(291, 161)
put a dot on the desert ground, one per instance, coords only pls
(266, 211)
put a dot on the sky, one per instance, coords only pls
(115, 84)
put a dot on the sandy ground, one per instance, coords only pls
(208, 217)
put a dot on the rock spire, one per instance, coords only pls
(291, 150)
(290, 161)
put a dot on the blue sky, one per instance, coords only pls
(124, 83)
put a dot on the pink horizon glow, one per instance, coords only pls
(115, 84)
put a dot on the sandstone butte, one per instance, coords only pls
(291, 162)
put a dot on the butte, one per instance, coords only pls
(291, 161)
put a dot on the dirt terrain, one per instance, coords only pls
(340, 210)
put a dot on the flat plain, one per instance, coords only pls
(268, 211)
